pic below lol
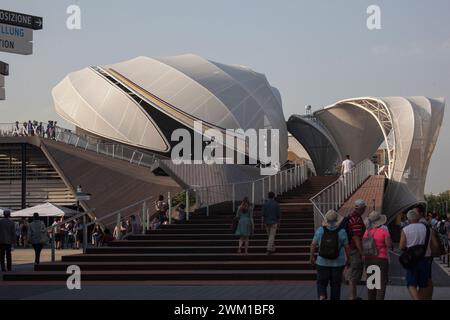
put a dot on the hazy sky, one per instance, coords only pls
(314, 52)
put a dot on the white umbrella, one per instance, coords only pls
(44, 210)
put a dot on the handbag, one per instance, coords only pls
(409, 258)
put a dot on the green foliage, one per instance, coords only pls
(181, 198)
(438, 203)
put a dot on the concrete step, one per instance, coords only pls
(167, 275)
(217, 236)
(211, 226)
(191, 249)
(182, 257)
(202, 242)
(227, 220)
(175, 265)
(224, 230)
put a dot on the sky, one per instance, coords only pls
(314, 52)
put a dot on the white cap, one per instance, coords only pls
(360, 203)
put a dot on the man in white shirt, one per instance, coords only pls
(347, 165)
(418, 279)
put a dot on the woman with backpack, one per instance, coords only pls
(376, 243)
(333, 256)
(245, 225)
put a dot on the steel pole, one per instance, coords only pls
(85, 237)
(169, 202)
(187, 204)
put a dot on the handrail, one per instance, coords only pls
(83, 215)
(334, 196)
(116, 151)
(255, 190)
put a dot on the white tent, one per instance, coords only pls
(44, 210)
(3, 209)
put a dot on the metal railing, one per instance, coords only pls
(141, 209)
(255, 190)
(335, 195)
(116, 151)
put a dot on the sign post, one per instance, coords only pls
(4, 68)
(21, 20)
(16, 36)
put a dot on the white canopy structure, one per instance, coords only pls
(408, 127)
(140, 102)
(44, 210)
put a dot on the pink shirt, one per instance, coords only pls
(379, 235)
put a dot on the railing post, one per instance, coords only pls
(144, 223)
(253, 193)
(52, 244)
(287, 179)
(187, 204)
(85, 235)
(233, 197)
(293, 178)
(281, 182)
(262, 191)
(270, 185)
(296, 175)
(207, 202)
(118, 227)
(169, 202)
(275, 183)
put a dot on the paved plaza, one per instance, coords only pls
(270, 290)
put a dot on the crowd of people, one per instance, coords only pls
(32, 128)
(68, 234)
(350, 245)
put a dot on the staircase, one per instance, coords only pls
(202, 249)
(43, 183)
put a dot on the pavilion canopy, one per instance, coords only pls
(45, 210)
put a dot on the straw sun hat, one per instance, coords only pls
(332, 219)
(375, 219)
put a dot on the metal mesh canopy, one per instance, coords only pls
(319, 145)
(409, 128)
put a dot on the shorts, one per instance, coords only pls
(420, 274)
(57, 237)
(356, 267)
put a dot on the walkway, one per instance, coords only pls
(191, 292)
(371, 192)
